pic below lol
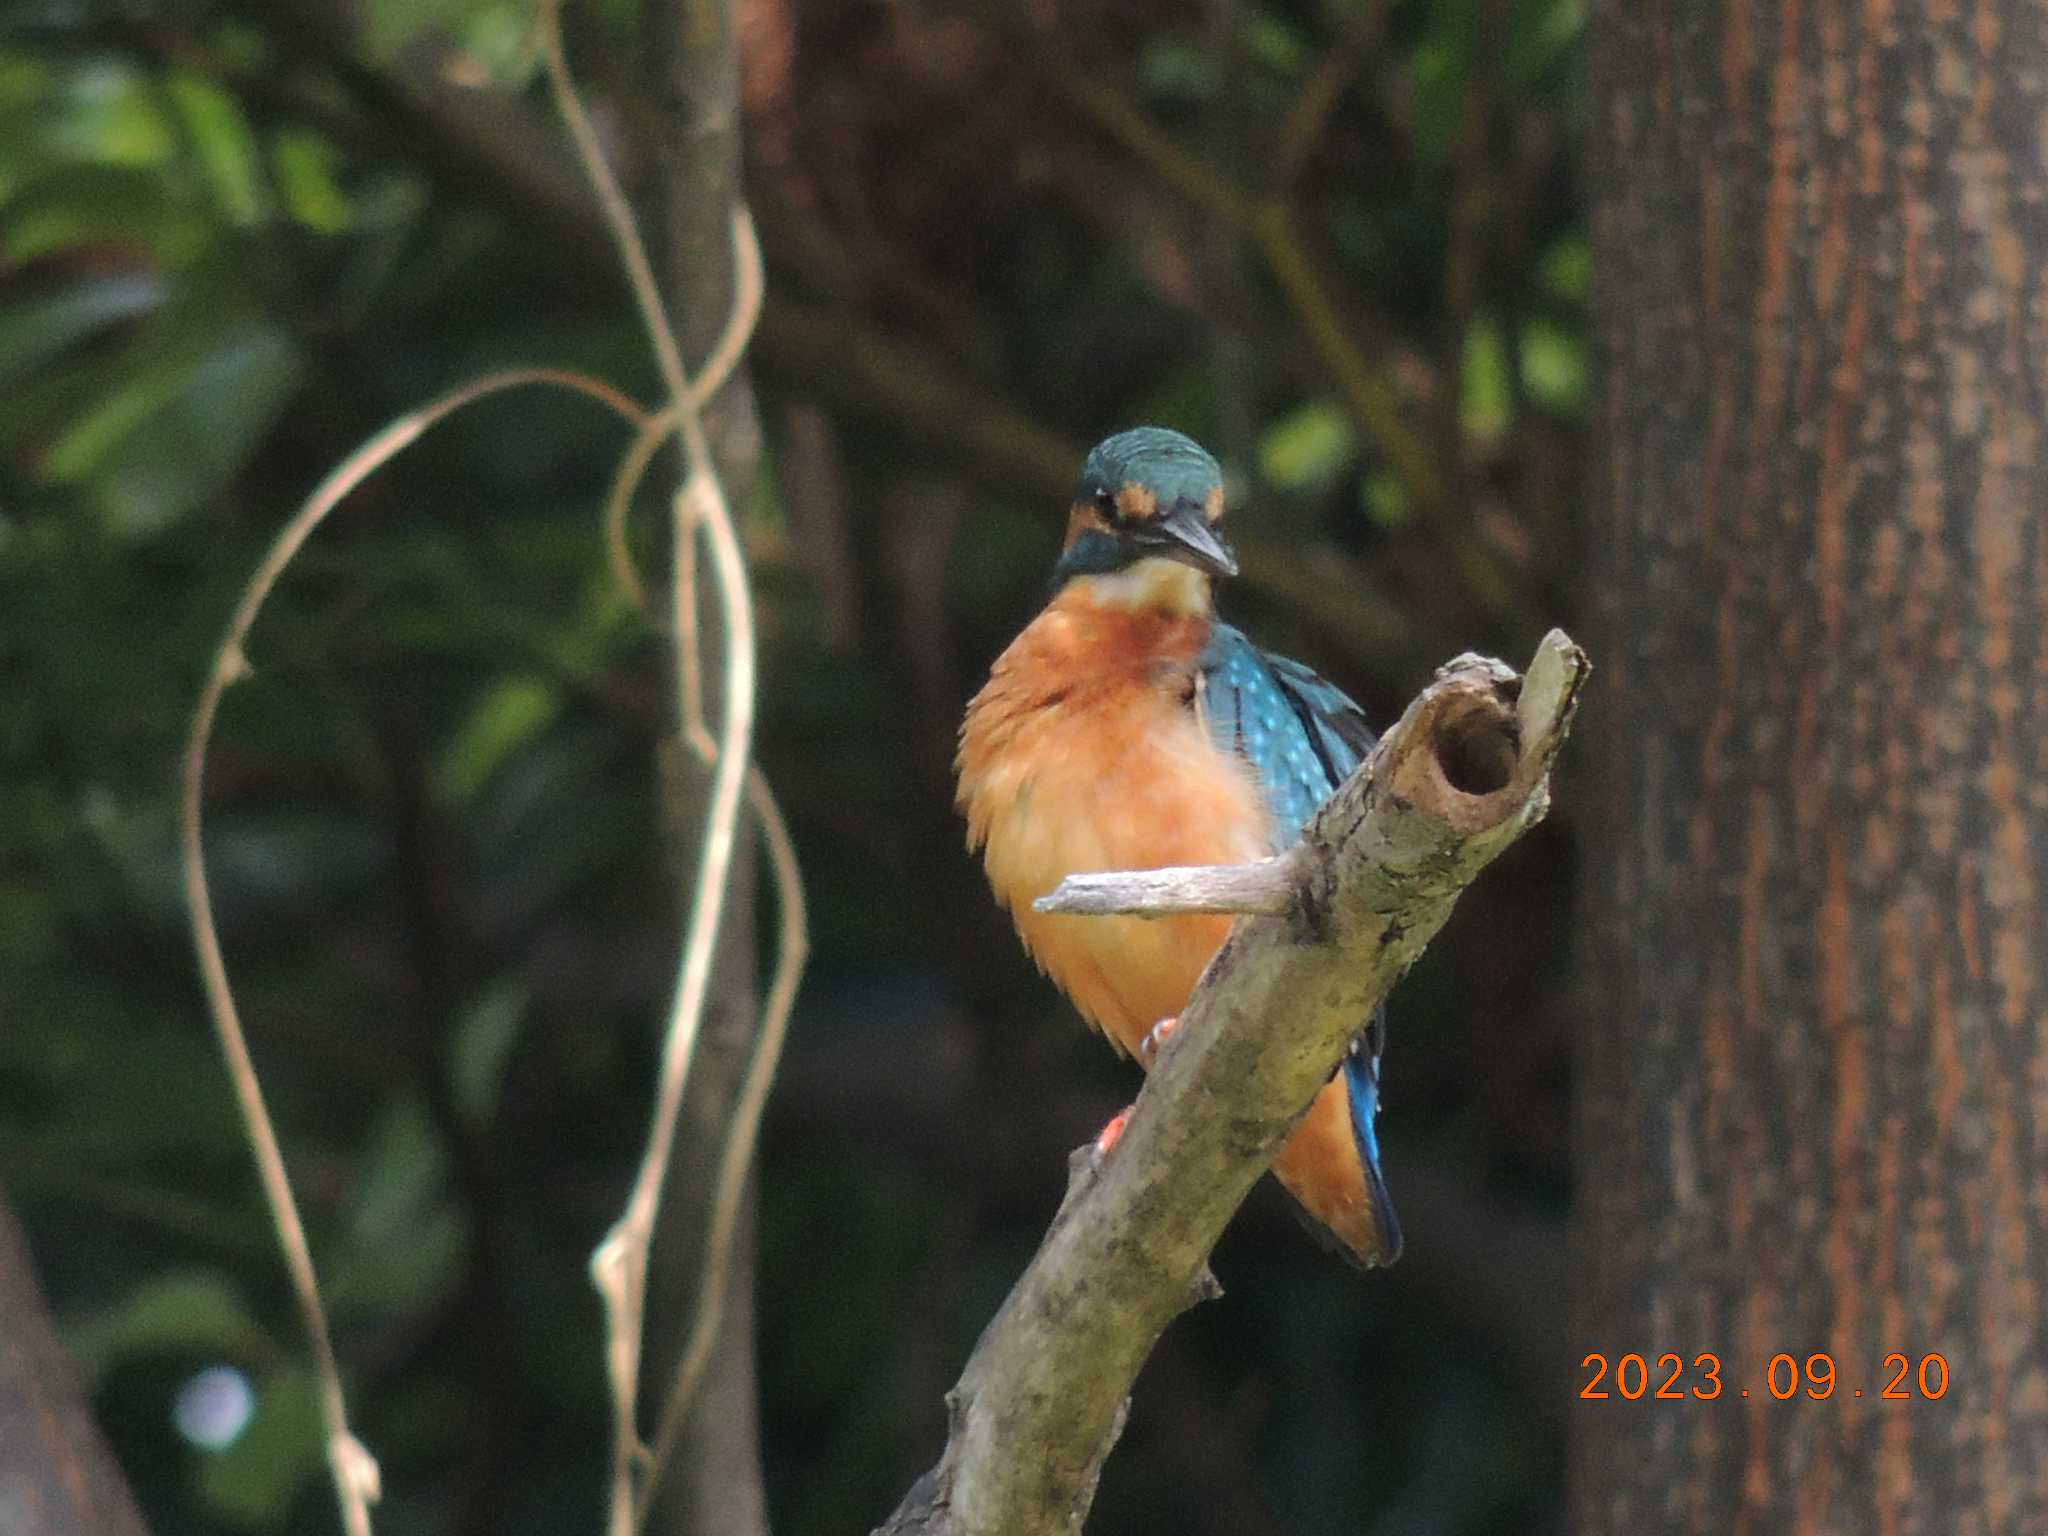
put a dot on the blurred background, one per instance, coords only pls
(1340, 241)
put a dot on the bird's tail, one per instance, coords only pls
(1331, 1168)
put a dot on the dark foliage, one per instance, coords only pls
(1339, 244)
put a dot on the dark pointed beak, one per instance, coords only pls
(1184, 533)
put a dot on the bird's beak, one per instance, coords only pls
(1184, 533)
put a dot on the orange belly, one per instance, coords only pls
(1119, 773)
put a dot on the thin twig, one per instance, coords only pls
(1114, 110)
(619, 1265)
(1303, 127)
(1269, 886)
(355, 1473)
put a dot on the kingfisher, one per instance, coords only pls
(1128, 727)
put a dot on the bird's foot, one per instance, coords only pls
(1112, 1133)
(1155, 1038)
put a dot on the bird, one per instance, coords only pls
(1128, 727)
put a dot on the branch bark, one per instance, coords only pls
(57, 1477)
(1042, 1400)
(1267, 887)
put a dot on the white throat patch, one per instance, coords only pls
(1162, 586)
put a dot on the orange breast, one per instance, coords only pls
(1084, 752)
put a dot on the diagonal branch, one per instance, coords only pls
(1041, 1401)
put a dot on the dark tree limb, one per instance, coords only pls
(1041, 1401)
(57, 1477)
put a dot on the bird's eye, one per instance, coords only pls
(1105, 503)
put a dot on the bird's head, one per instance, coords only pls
(1145, 516)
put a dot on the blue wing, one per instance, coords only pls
(1300, 733)
(1302, 737)
(1362, 1088)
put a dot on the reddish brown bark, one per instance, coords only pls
(57, 1477)
(1814, 1112)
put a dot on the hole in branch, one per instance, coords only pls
(1477, 748)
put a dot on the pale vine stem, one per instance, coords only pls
(356, 1481)
(619, 1265)
(736, 1159)
(355, 1470)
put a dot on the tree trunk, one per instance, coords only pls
(57, 1477)
(1814, 1107)
(691, 128)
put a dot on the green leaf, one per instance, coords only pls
(200, 439)
(1276, 44)
(167, 1101)
(81, 205)
(501, 38)
(1442, 66)
(1566, 269)
(149, 390)
(511, 713)
(1386, 500)
(485, 1033)
(226, 148)
(1308, 447)
(1169, 67)
(406, 1239)
(109, 113)
(187, 1312)
(1554, 369)
(1488, 403)
(1541, 34)
(37, 330)
(305, 166)
(484, 26)
(25, 81)
(252, 1482)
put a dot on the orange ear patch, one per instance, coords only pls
(1136, 502)
(1212, 504)
(1082, 517)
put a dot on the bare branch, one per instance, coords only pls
(1039, 1405)
(1269, 886)
(1302, 131)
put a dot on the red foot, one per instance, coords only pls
(1112, 1133)
(1148, 1048)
